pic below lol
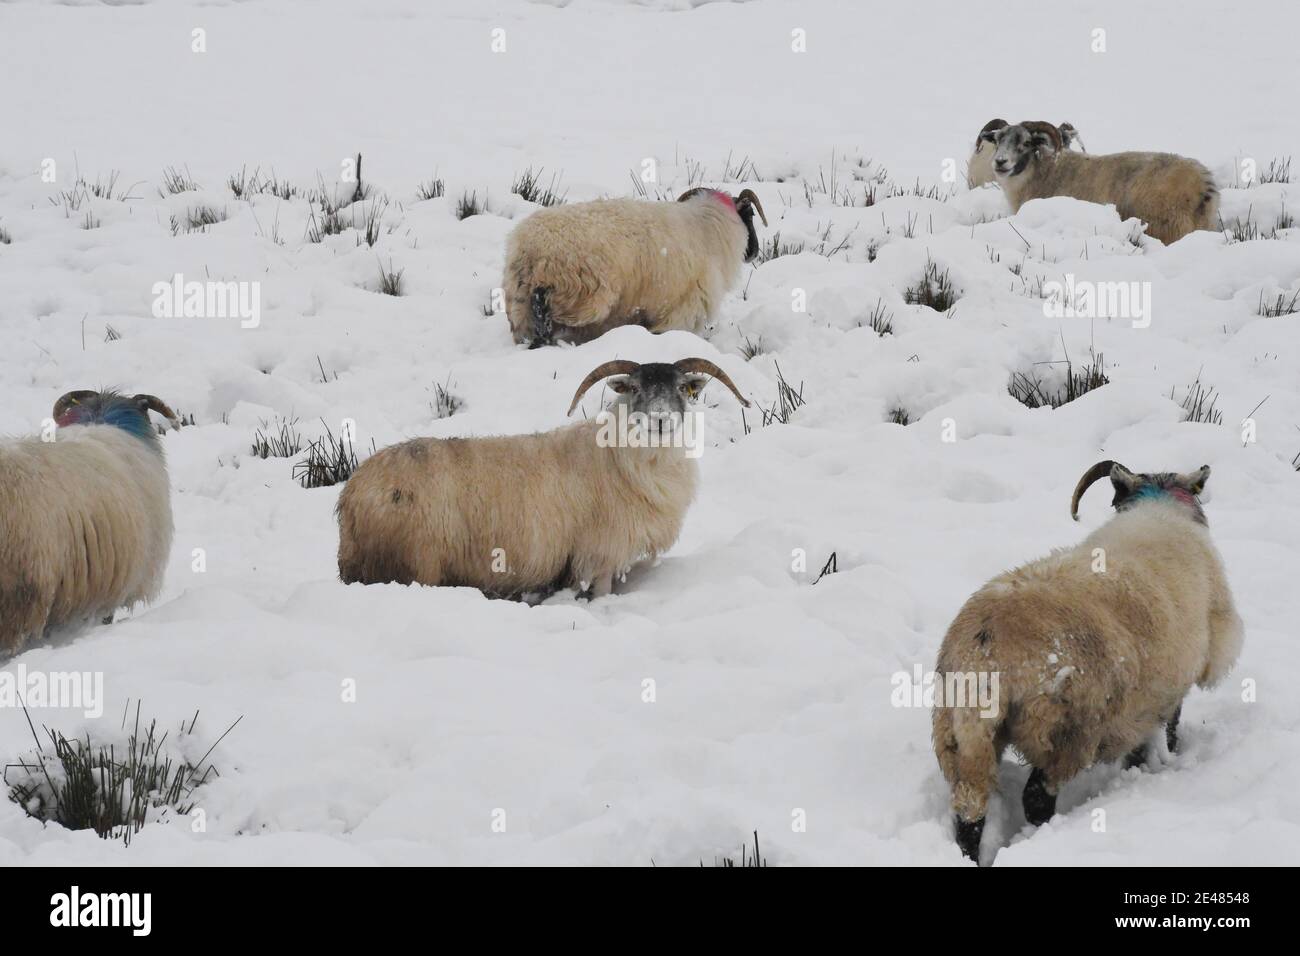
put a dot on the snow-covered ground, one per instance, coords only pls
(772, 695)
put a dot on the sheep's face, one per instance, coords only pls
(1015, 148)
(660, 392)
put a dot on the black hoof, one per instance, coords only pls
(1040, 806)
(968, 837)
(1136, 758)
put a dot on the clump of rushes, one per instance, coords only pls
(1030, 391)
(934, 290)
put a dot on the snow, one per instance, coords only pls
(771, 695)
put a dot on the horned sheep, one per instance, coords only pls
(575, 271)
(979, 170)
(1092, 648)
(529, 514)
(85, 517)
(1172, 194)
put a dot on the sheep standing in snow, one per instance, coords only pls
(85, 519)
(573, 272)
(1093, 648)
(1172, 194)
(979, 170)
(523, 514)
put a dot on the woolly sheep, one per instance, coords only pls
(526, 514)
(575, 271)
(1172, 194)
(1088, 650)
(979, 170)
(85, 519)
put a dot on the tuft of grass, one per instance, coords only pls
(1199, 404)
(91, 221)
(111, 334)
(750, 349)
(832, 566)
(372, 223)
(330, 223)
(82, 785)
(5, 236)
(527, 185)
(390, 279)
(774, 248)
(177, 181)
(881, 321)
(468, 205)
(1030, 391)
(899, 416)
(1282, 306)
(747, 859)
(1277, 171)
(433, 189)
(282, 440)
(445, 404)
(934, 289)
(198, 219)
(788, 400)
(329, 461)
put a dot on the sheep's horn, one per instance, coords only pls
(748, 194)
(692, 192)
(616, 367)
(71, 398)
(1091, 476)
(989, 127)
(1047, 129)
(706, 367)
(156, 404)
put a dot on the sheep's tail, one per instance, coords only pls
(543, 322)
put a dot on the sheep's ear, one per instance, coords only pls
(1195, 481)
(621, 384)
(694, 384)
(1125, 481)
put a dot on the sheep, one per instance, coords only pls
(1173, 194)
(523, 515)
(1086, 651)
(85, 518)
(576, 271)
(979, 171)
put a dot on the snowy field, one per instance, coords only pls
(773, 696)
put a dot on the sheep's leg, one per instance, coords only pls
(1038, 799)
(1171, 729)
(543, 321)
(601, 586)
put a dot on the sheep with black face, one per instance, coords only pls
(85, 515)
(525, 514)
(1172, 194)
(1094, 647)
(575, 271)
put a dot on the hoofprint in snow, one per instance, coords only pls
(720, 691)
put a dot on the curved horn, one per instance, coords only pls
(989, 127)
(693, 192)
(1047, 129)
(1092, 475)
(748, 194)
(69, 399)
(156, 404)
(706, 367)
(616, 367)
